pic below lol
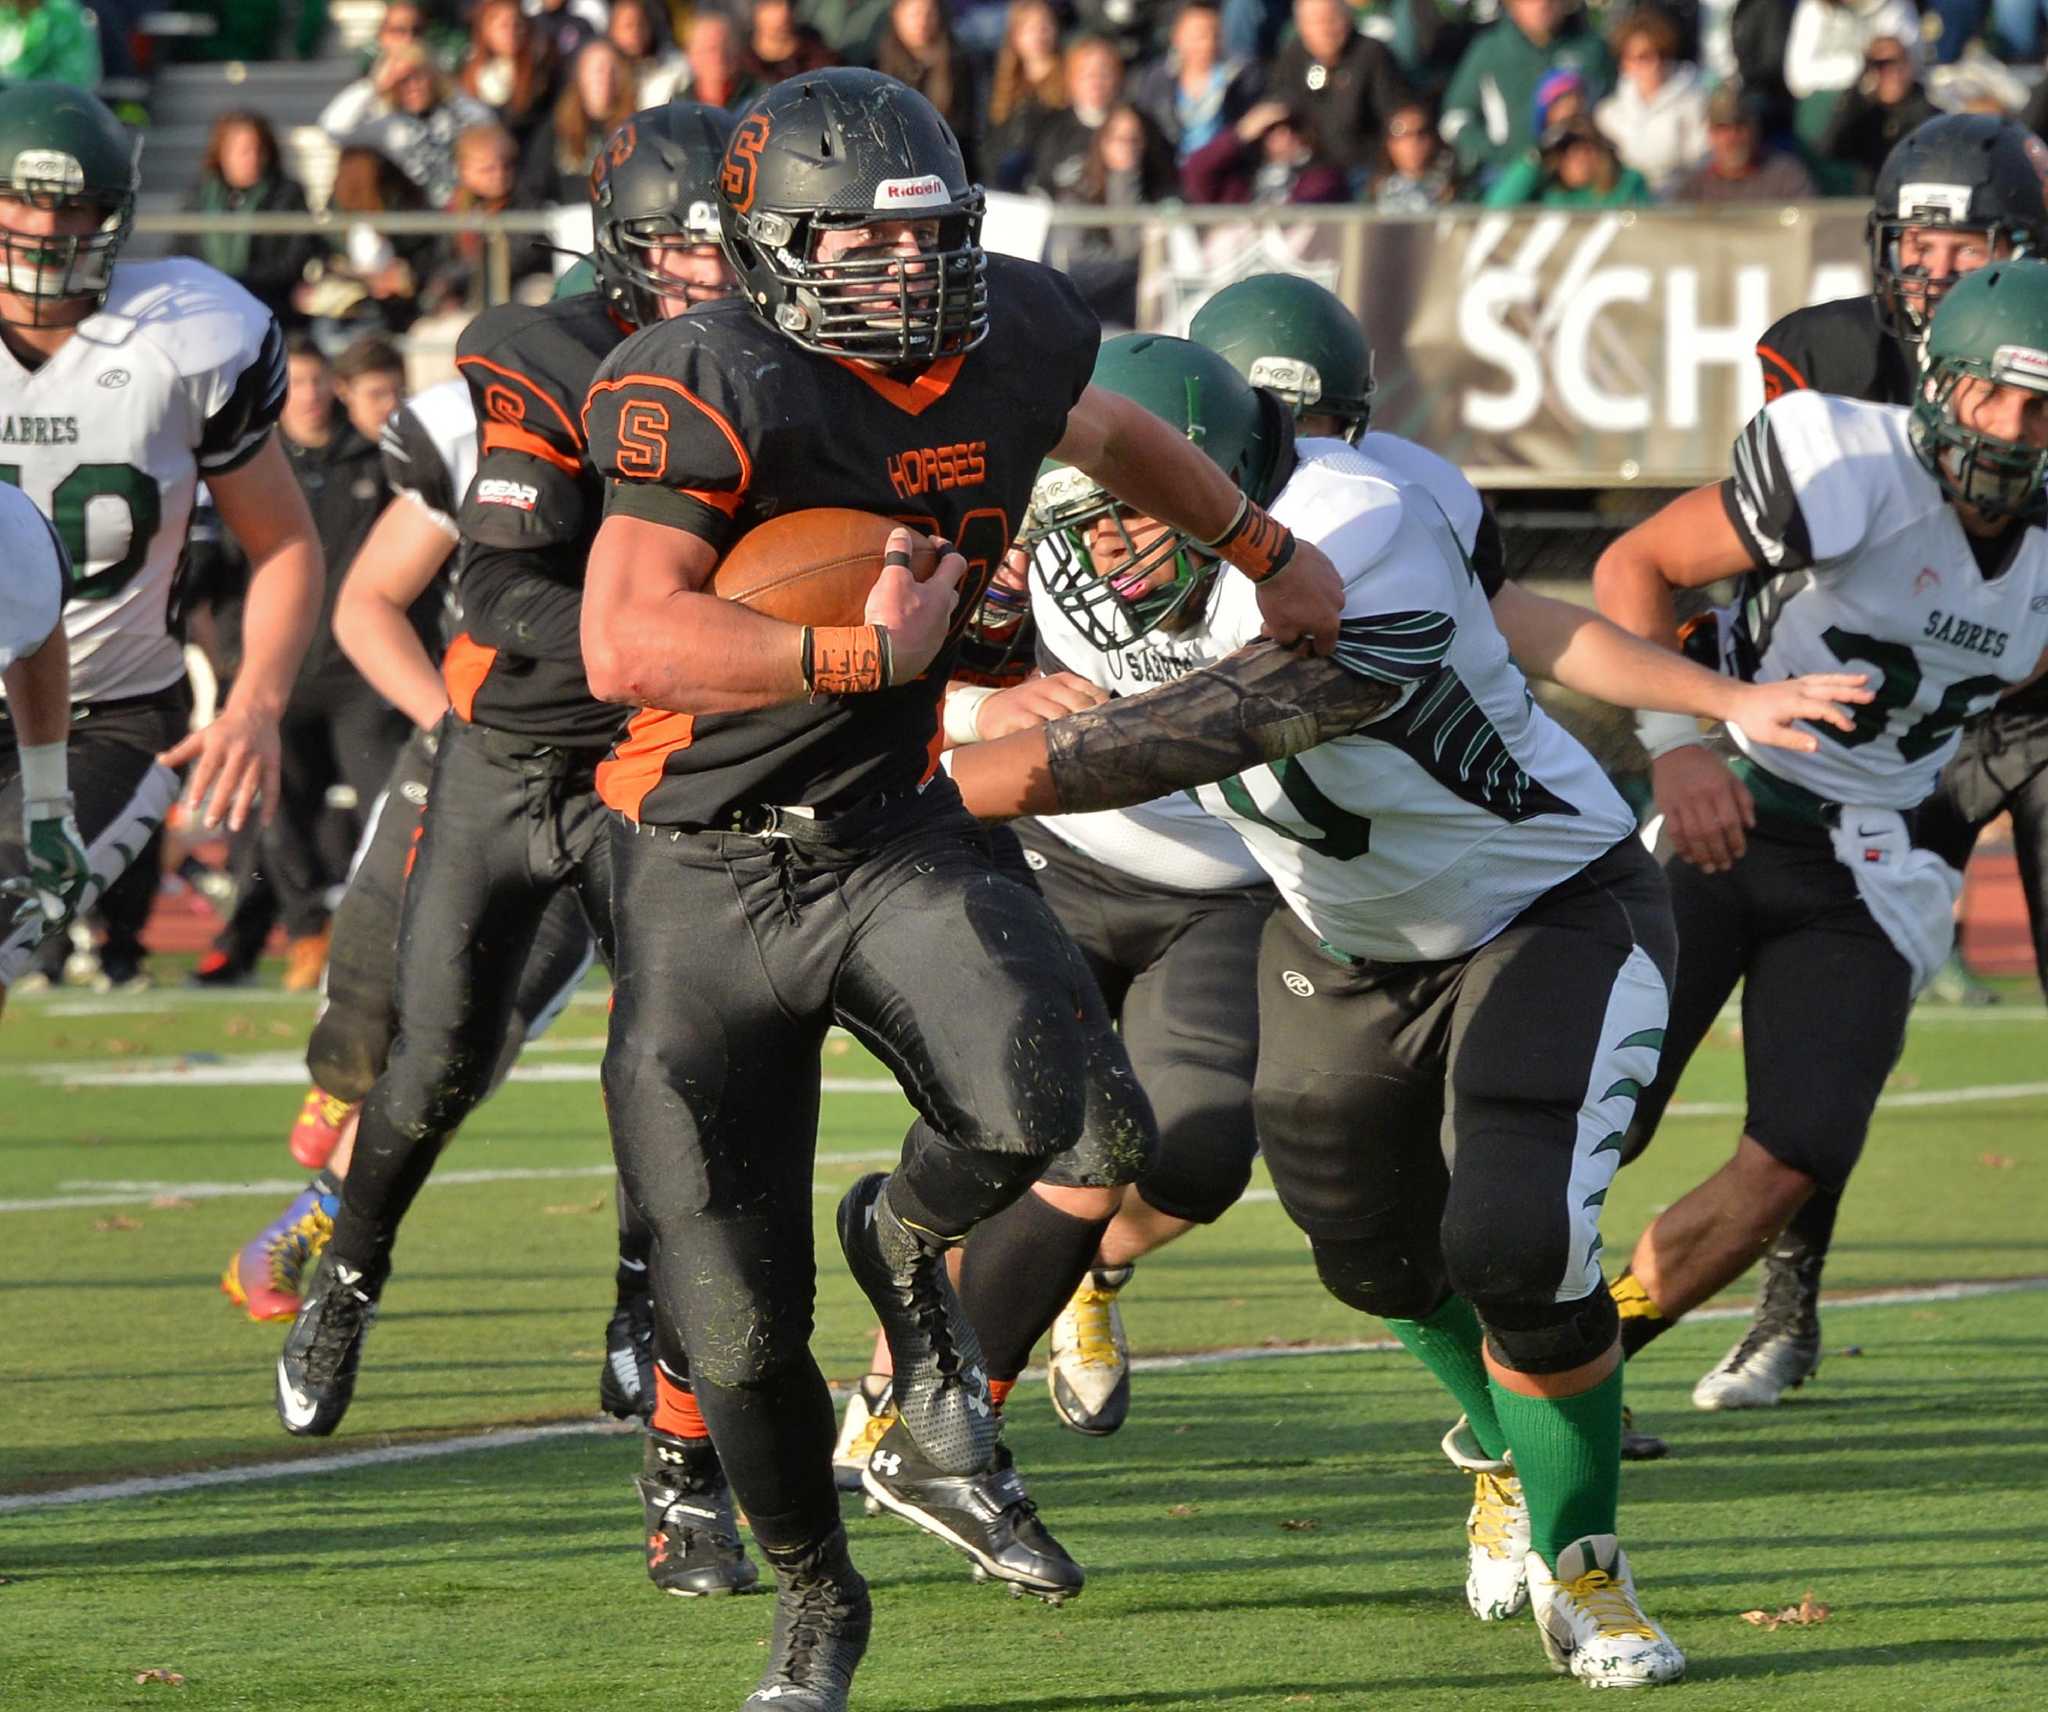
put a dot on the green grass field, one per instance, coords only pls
(1278, 1531)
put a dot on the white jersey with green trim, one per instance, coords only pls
(1866, 567)
(1423, 835)
(179, 375)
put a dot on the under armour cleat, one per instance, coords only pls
(693, 1543)
(625, 1383)
(989, 1516)
(1089, 1370)
(941, 1386)
(267, 1272)
(316, 1131)
(1496, 1529)
(1592, 1624)
(316, 1374)
(1781, 1349)
(1640, 1447)
(868, 1414)
(822, 1618)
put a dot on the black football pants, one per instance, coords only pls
(510, 823)
(120, 793)
(2000, 767)
(1179, 972)
(351, 1041)
(736, 954)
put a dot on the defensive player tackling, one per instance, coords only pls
(1474, 963)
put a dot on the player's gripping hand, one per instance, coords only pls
(1035, 702)
(917, 615)
(1769, 713)
(1302, 604)
(235, 761)
(1707, 810)
(58, 866)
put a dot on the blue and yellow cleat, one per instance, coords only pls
(268, 1273)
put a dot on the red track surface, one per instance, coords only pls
(1995, 940)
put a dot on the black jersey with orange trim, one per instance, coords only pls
(527, 521)
(714, 422)
(1837, 347)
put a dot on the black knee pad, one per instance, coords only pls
(1377, 1278)
(346, 1053)
(1550, 1337)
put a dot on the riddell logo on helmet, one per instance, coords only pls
(927, 192)
(50, 171)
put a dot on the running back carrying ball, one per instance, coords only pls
(814, 567)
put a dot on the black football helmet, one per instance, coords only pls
(1965, 170)
(654, 181)
(847, 148)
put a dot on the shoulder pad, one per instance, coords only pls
(529, 367)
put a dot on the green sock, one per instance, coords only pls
(1450, 1344)
(1568, 1454)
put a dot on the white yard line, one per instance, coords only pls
(129, 1191)
(163, 1485)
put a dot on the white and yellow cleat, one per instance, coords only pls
(1593, 1626)
(868, 1414)
(1496, 1530)
(1089, 1367)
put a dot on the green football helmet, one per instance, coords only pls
(1991, 325)
(578, 278)
(60, 148)
(1292, 337)
(1152, 574)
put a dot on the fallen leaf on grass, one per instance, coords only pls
(169, 1676)
(120, 1047)
(1804, 1615)
(596, 1206)
(119, 1222)
(238, 1028)
(1997, 1161)
(1300, 1525)
(1183, 1510)
(172, 1203)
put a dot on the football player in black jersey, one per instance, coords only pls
(513, 817)
(1957, 193)
(879, 360)
(385, 620)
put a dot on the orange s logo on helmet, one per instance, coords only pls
(742, 161)
(612, 156)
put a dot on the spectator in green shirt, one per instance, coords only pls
(1573, 166)
(48, 40)
(1488, 106)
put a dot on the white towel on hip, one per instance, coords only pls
(1910, 893)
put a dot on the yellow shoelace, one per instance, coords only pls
(1611, 1606)
(1494, 1498)
(870, 1435)
(300, 1248)
(1094, 1336)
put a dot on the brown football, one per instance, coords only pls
(814, 567)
